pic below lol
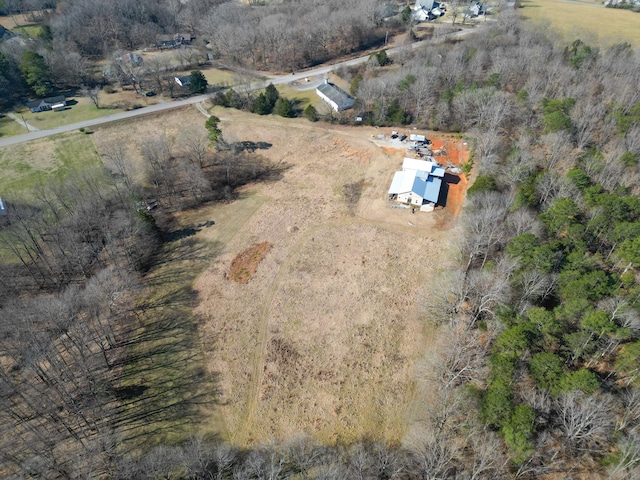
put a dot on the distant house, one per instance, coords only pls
(476, 9)
(53, 103)
(165, 41)
(3, 209)
(131, 58)
(428, 10)
(174, 41)
(183, 38)
(418, 183)
(337, 98)
(183, 80)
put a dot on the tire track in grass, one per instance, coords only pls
(259, 358)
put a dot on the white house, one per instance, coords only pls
(418, 183)
(3, 209)
(337, 98)
(476, 9)
(183, 80)
(427, 10)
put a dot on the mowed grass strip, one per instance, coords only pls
(9, 127)
(26, 167)
(592, 23)
(172, 393)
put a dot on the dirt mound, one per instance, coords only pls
(245, 264)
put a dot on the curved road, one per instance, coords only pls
(276, 80)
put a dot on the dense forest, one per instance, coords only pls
(537, 367)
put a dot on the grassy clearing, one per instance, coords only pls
(176, 395)
(9, 127)
(216, 76)
(28, 31)
(84, 109)
(591, 23)
(26, 166)
(325, 337)
(302, 98)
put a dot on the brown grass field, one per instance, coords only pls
(325, 336)
(587, 21)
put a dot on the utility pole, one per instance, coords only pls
(24, 123)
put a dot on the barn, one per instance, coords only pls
(337, 98)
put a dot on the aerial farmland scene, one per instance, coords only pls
(351, 239)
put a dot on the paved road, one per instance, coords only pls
(160, 107)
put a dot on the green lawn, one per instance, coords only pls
(216, 76)
(28, 31)
(9, 127)
(301, 97)
(589, 22)
(27, 166)
(84, 109)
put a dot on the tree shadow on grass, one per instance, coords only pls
(167, 390)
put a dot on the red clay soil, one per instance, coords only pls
(447, 150)
(450, 150)
(246, 262)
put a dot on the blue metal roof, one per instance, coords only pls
(432, 190)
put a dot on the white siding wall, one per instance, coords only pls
(333, 104)
(413, 198)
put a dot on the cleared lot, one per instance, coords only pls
(325, 336)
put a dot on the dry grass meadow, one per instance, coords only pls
(587, 21)
(325, 337)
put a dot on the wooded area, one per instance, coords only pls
(62, 49)
(536, 371)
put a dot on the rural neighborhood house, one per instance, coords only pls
(53, 103)
(337, 98)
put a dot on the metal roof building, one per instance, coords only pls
(415, 187)
(335, 96)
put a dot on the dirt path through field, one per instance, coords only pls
(259, 357)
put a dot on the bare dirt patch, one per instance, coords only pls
(245, 264)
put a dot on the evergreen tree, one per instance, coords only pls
(198, 82)
(35, 72)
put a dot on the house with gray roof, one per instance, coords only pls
(337, 98)
(52, 103)
(428, 10)
(183, 80)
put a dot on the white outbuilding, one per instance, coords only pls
(337, 98)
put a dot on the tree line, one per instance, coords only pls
(71, 270)
(545, 304)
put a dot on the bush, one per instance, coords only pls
(484, 183)
(310, 113)
(284, 108)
